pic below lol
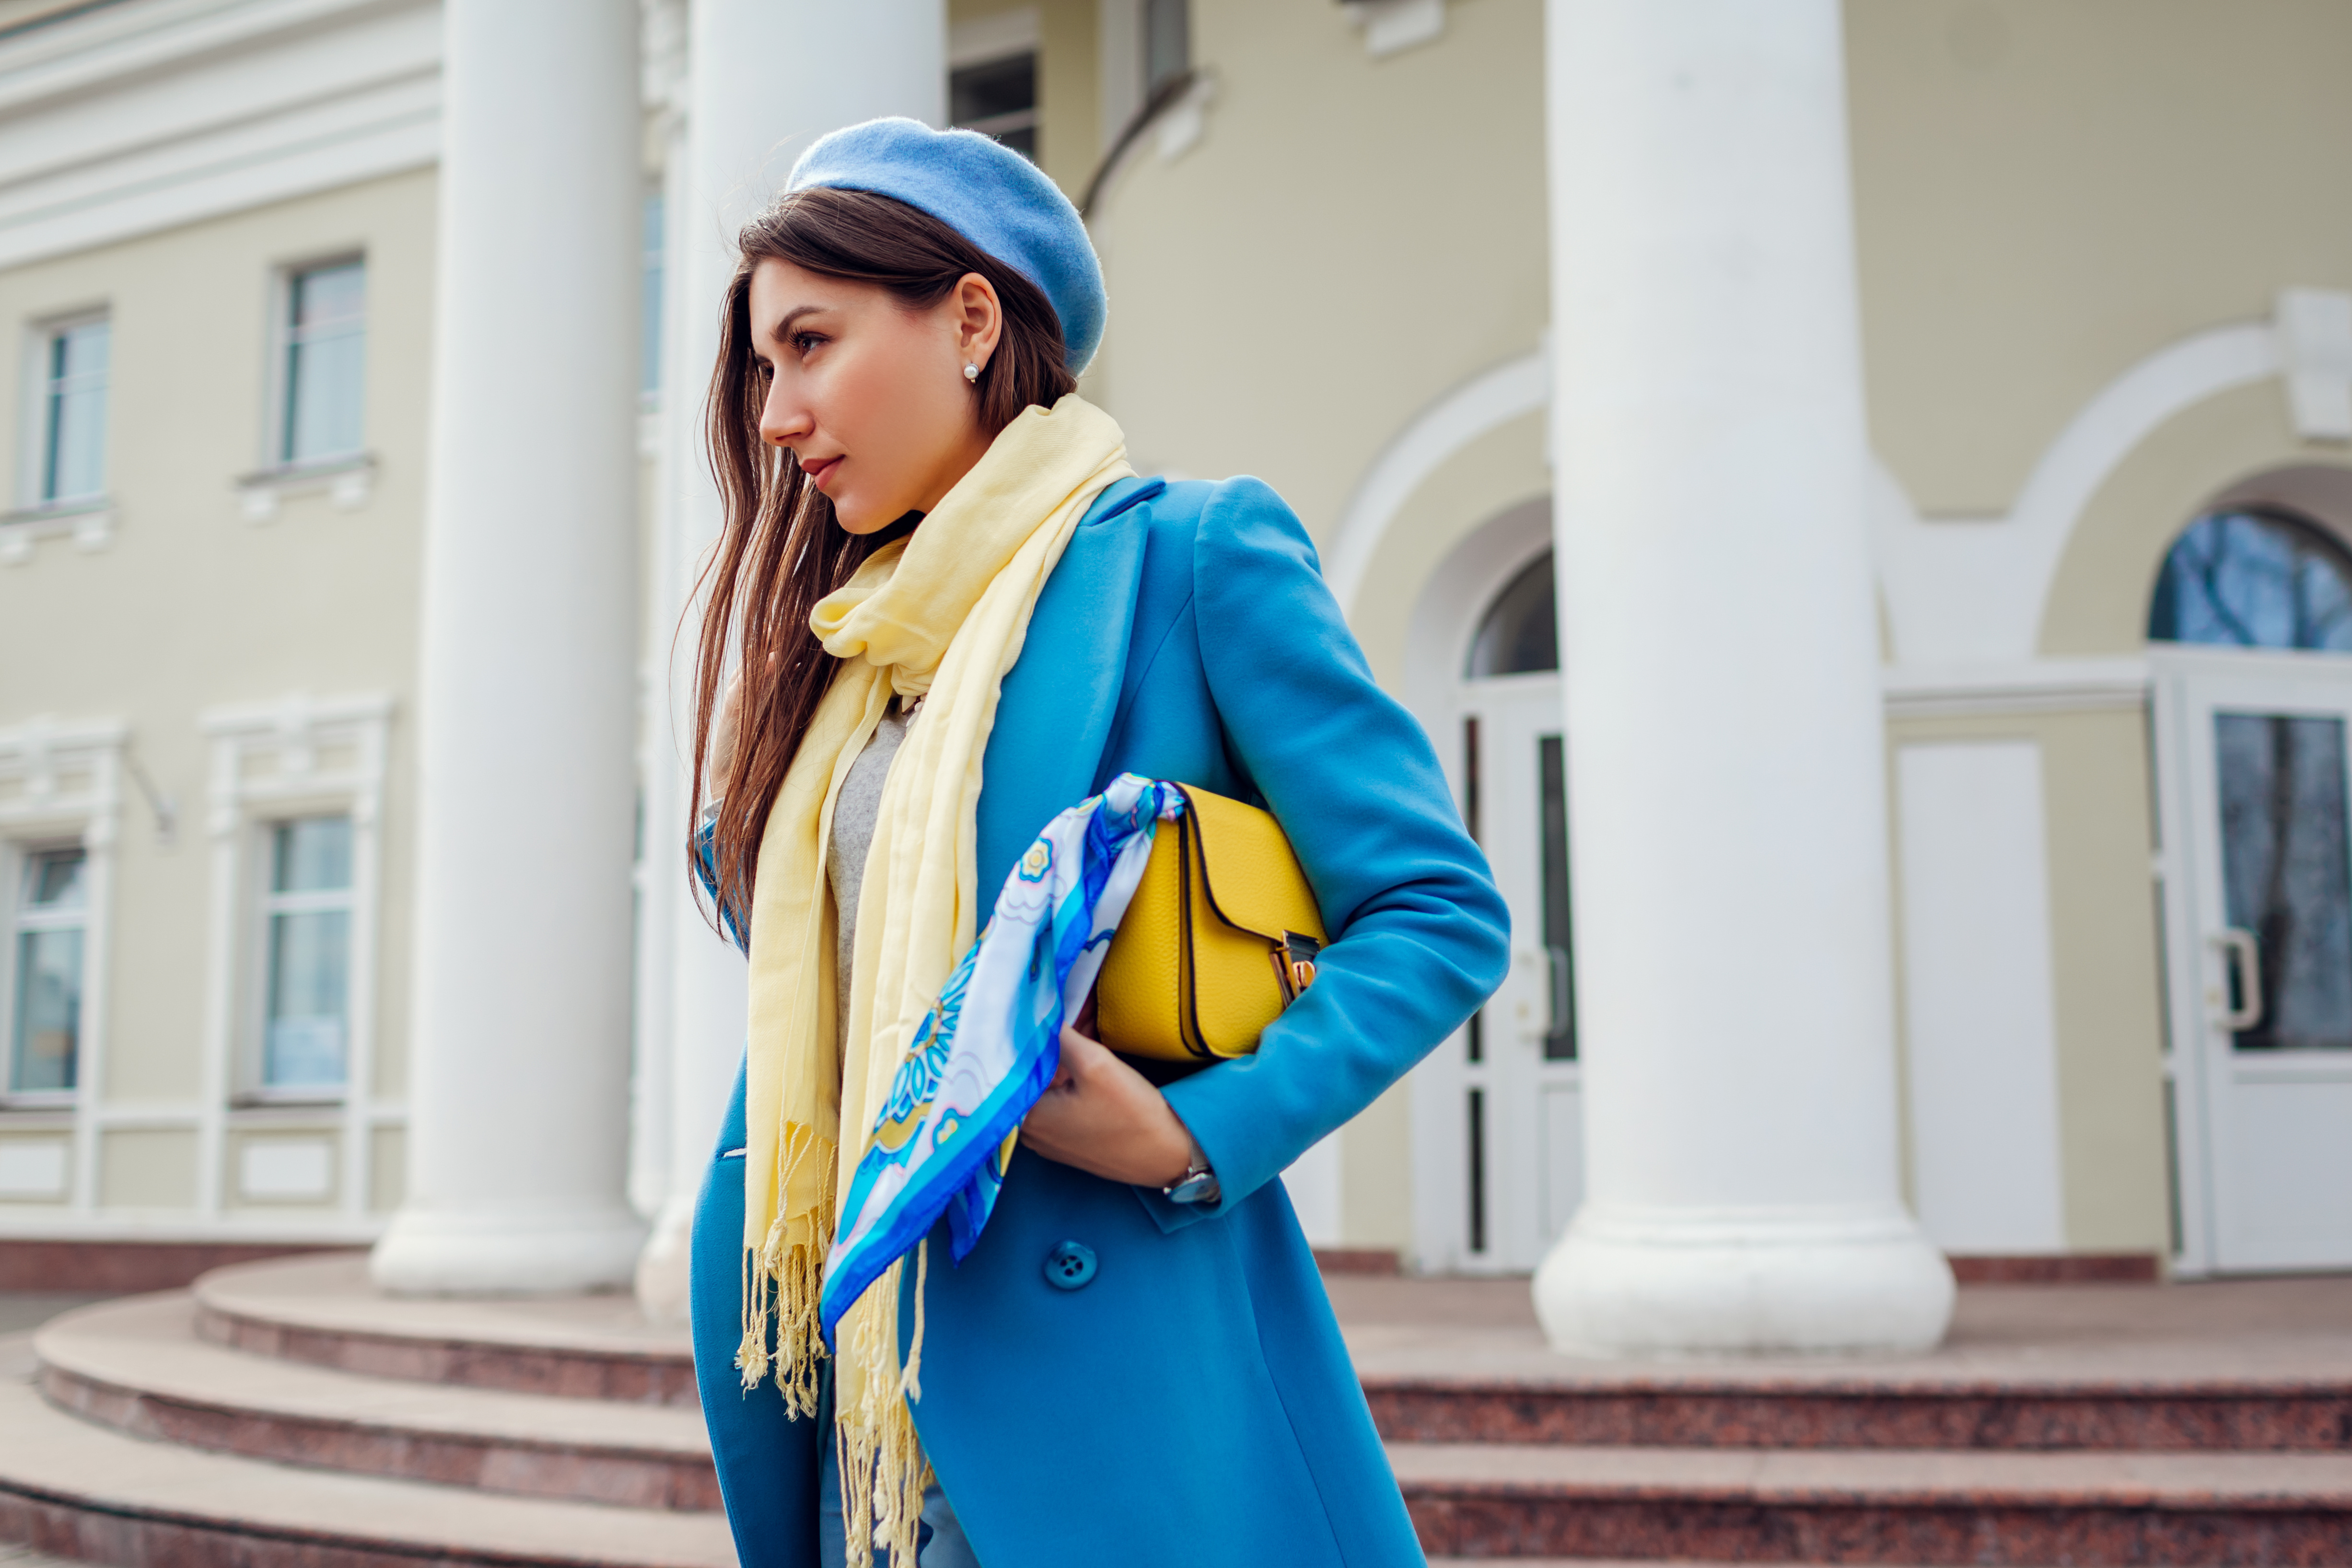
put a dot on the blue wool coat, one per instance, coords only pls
(1192, 1403)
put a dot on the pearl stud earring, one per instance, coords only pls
(971, 373)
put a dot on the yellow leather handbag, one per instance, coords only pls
(1222, 936)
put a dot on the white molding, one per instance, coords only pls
(37, 757)
(1391, 27)
(664, 58)
(290, 735)
(1187, 120)
(1959, 592)
(1487, 401)
(1976, 591)
(140, 1114)
(25, 1176)
(133, 119)
(2043, 685)
(89, 523)
(348, 482)
(2314, 334)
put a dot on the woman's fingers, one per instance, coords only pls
(1101, 1116)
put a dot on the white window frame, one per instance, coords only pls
(60, 787)
(266, 768)
(88, 520)
(347, 478)
(26, 918)
(264, 903)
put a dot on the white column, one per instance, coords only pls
(520, 1026)
(1726, 776)
(769, 77)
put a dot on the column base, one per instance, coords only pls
(506, 1252)
(1655, 1280)
(666, 1266)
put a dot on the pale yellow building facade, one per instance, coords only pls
(2107, 287)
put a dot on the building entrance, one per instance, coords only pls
(2254, 732)
(1520, 1101)
(1523, 1107)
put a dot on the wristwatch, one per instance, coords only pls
(1197, 1185)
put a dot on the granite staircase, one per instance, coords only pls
(282, 1415)
(1734, 1467)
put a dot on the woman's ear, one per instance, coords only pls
(978, 319)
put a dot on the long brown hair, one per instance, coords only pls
(782, 549)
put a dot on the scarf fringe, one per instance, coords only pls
(783, 1285)
(883, 1471)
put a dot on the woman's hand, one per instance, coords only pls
(1106, 1118)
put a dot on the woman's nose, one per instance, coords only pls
(783, 420)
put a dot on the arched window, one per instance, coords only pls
(1520, 633)
(2254, 579)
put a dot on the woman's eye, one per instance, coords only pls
(803, 344)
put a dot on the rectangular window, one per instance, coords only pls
(998, 98)
(307, 944)
(326, 363)
(46, 1015)
(72, 457)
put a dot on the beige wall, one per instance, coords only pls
(2048, 191)
(192, 606)
(148, 1168)
(1349, 238)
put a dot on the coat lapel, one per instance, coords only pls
(1054, 717)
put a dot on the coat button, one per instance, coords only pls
(1070, 1265)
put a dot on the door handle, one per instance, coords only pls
(2241, 954)
(1556, 972)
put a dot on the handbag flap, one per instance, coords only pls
(1252, 876)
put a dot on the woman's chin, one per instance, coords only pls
(857, 517)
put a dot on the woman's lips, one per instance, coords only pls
(818, 472)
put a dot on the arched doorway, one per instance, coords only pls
(2250, 632)
(1515, 1081)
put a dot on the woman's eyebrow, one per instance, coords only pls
(791, 316)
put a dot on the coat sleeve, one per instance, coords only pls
(1421, 937)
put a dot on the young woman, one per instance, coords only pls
(959, 611)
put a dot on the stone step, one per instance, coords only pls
(320, 1309)
(2211, 1510)
(136, 1365)
(74, 1489)
(1622, 1408)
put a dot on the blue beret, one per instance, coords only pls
(985, 191)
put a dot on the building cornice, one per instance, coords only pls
(149, 114)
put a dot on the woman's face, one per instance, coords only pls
(870, 396)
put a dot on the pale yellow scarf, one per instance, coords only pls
(941, 617)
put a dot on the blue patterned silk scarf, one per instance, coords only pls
(986, 1050)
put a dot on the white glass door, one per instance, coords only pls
(1521, 1107)
(2256, 755)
